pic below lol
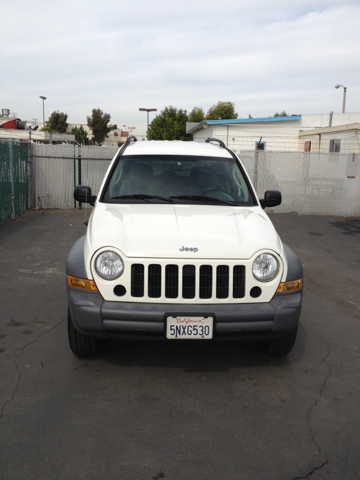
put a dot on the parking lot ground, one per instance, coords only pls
(187, 411)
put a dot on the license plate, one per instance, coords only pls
(200, 328)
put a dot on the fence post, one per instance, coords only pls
(79, 171)
(12, 178)
(256, 165)
(32, 179)
(74, 173)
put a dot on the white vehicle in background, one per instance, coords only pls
(178, 247)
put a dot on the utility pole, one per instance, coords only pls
(344, 97)
(148, 110)
(43, 99)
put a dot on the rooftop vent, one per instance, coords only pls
(5, 112)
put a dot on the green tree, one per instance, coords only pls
(169, 125)
(58, 121)
(98, 122)
(48, 129)
(197, 114)
(222, 111)
(81, 135)
(281, 114)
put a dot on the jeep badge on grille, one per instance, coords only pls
(188, 249)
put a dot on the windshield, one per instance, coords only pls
(177, 179)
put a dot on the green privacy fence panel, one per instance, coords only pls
(14, 179)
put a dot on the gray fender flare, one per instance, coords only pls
(75, 264)
(295, 268)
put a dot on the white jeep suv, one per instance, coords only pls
(178, 247)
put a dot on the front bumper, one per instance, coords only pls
(94, 316)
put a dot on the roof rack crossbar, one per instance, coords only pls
(220, 142)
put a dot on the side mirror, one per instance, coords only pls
(272, 198)
(83, 194)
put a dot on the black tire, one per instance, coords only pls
(278, 347)
(82, 345)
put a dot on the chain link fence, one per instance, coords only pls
(59, 168)
(14, 179)
(310, 183)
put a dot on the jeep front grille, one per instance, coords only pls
(167, 279)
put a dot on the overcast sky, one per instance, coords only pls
(119, 55)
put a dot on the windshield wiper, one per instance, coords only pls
(141, 196)
(203, 199)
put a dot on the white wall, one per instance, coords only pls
(321, 120)
(277, 135)
(204, 133)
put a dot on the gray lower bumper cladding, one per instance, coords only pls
(102, 319)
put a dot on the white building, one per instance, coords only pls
(36, 136)
(275, 133)
(343, 138)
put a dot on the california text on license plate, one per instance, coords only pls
(189, 327)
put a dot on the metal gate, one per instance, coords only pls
(59, 168)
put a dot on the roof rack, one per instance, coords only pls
(130, 140)
(220, 142)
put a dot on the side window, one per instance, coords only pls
(334, 146)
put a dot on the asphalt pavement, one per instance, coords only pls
(151, 411)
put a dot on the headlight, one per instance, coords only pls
(265, 267)
(109, 265)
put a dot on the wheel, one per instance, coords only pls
(278, 347)
(216, 190)
(82, 345)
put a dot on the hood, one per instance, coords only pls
(166, 231)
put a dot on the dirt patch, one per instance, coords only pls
(350, 226)
(14, 323)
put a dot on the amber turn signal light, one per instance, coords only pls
(82, 283)
(285, 287)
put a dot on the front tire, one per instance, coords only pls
(278, 347)
(81, 345)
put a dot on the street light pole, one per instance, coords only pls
(148, 110)
(344, 97)
(43, 99)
